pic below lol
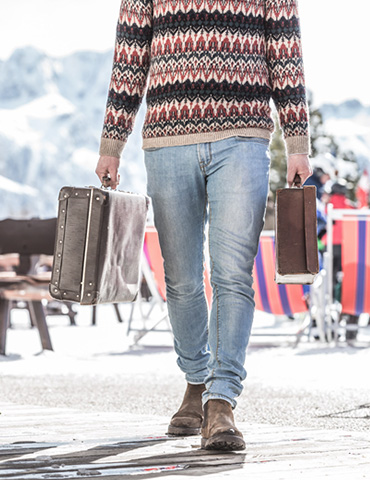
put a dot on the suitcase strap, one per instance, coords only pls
(91, 254)
(312, 260)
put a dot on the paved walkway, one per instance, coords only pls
(38, 443)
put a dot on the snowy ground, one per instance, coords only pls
(95, 368)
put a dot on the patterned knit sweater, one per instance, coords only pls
(213, 66)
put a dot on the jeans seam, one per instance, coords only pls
(217, 299)
(210, 155)
(216, 296)
(218, 328)
(202, 251)
(201, 164)
(209, 219)
(204, 217)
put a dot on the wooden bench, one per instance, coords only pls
(23, 243)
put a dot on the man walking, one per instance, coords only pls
(209, 69)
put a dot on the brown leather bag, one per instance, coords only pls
(296, 235)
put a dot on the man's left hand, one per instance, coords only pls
(298, 164)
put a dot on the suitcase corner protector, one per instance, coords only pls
(54, 292)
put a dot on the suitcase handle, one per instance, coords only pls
(106, 182)
(105, 185)
(297, 181)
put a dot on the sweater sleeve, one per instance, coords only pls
(286, 73)
(129, 74)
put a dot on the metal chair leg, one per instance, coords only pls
(94, 309)
(71, 314)
(4, 322)
(38, 316)
(93, 317)
(119, 318)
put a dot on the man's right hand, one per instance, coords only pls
(108, 166)
(298, 164)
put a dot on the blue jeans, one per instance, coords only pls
(225, 182)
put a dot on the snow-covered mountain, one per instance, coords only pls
(51, 116)
(349, 123)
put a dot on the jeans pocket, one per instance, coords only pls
(152, 149)
(261, 140)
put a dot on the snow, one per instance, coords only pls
(105, 350)
(82, 350)
(346, 127)
(349, 123)
(15, 187)
(51, 117)
(46, 107)
(84, 157)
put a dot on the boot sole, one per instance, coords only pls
(223, 442)
(182, 431)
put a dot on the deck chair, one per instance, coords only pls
(22, 242)
(152, 302)
(278, 300)
(355, 288)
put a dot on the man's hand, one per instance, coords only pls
(298, 164)
(108, 166)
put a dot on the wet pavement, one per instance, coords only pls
(98, 408)
(48, 443)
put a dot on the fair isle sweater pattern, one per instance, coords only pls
(213, 66)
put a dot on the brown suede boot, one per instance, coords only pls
(188, 419)
(218, 430)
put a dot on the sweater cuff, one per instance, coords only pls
(298, 145)
(111, 147)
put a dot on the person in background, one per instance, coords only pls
(318, 179)
(321, 231)
(269, 224)
(209, 70)
(338, 197)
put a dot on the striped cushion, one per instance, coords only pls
(356, 266)
(270, 297)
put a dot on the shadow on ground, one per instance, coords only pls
(90, 463)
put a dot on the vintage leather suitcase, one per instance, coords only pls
(98, 245)
(296, 235)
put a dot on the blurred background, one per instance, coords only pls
(55, 63)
